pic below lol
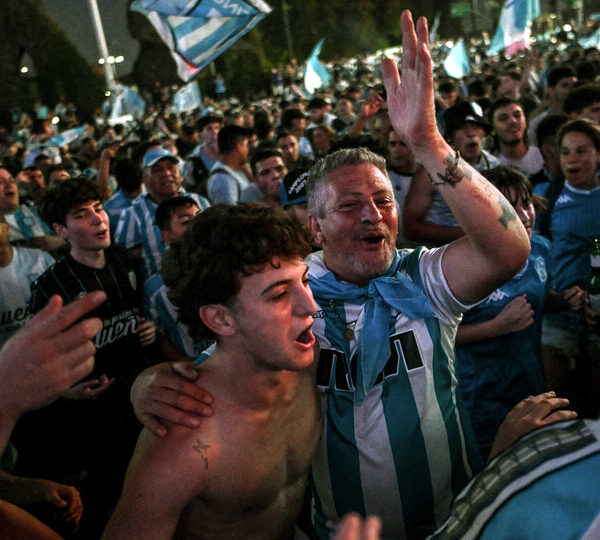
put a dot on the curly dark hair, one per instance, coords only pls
(221, 246)
(56, 202)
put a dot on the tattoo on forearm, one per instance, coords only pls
(453, 173)
(202, 449)
(508, 213)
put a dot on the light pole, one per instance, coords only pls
(109, 73)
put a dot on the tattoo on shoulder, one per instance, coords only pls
(453, 173)
(202, 449)
(508, 213)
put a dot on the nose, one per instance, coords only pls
(305, 305)
(97, 216)
(370, 213)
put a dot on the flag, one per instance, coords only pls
(592, 41)
(315, 73)
(187, 98)
(65, 137)
(196, 32)
(127, 102)
(514, 26)
(457, 63)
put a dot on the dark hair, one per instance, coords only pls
(500, 104)
(581, 125)
(167, 208)
(55, 203)
(505, 178)
(288, 116)
(581, 97)
(513, 74)
(209, 119)
(264, 151)
(230, 136)
(128, 174)
(283, 134)
(549, 126)
(221, 246)
(558, 73)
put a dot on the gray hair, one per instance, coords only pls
(319, 173)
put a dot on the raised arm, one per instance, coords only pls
(496, 245)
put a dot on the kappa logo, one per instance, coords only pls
(496, 296)
(563, 199)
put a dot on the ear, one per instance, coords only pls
(60, 230)
(315, 228)
(166, 236)
(218, 318)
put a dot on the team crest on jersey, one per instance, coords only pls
(540, 268)
(496, 296)
(132, 279)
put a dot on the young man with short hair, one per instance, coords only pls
(226, 179)
(510, 127)
(86, 438)
(236, 275)
(268, 169)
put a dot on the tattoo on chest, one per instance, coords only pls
(202, 449)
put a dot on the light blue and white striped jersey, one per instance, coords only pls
(137, 227)
(15, 279)
(408, 449)
(25, 223)
(115, 206)
(160, 309)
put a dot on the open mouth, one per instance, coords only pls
(306, 338)
(373, 239)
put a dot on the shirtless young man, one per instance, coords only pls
(237, 275)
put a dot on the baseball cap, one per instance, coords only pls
(293, 187)
(156, 154)
(458, 115)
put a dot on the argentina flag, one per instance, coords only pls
(315, 73)
(514, 26)
(197, 32)
(457, 63)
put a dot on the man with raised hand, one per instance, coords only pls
(396, 442)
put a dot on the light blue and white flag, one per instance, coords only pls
(127, 102)
(187, 98)
(315, 73)
(457, 63)
(66, 137)
(514, 26)
(196, 32)
(592, 41)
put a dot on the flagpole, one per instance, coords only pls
(100, 39)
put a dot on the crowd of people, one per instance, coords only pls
(316, 308)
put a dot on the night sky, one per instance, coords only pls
(74, 16)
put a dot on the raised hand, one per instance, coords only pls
(410, 98)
